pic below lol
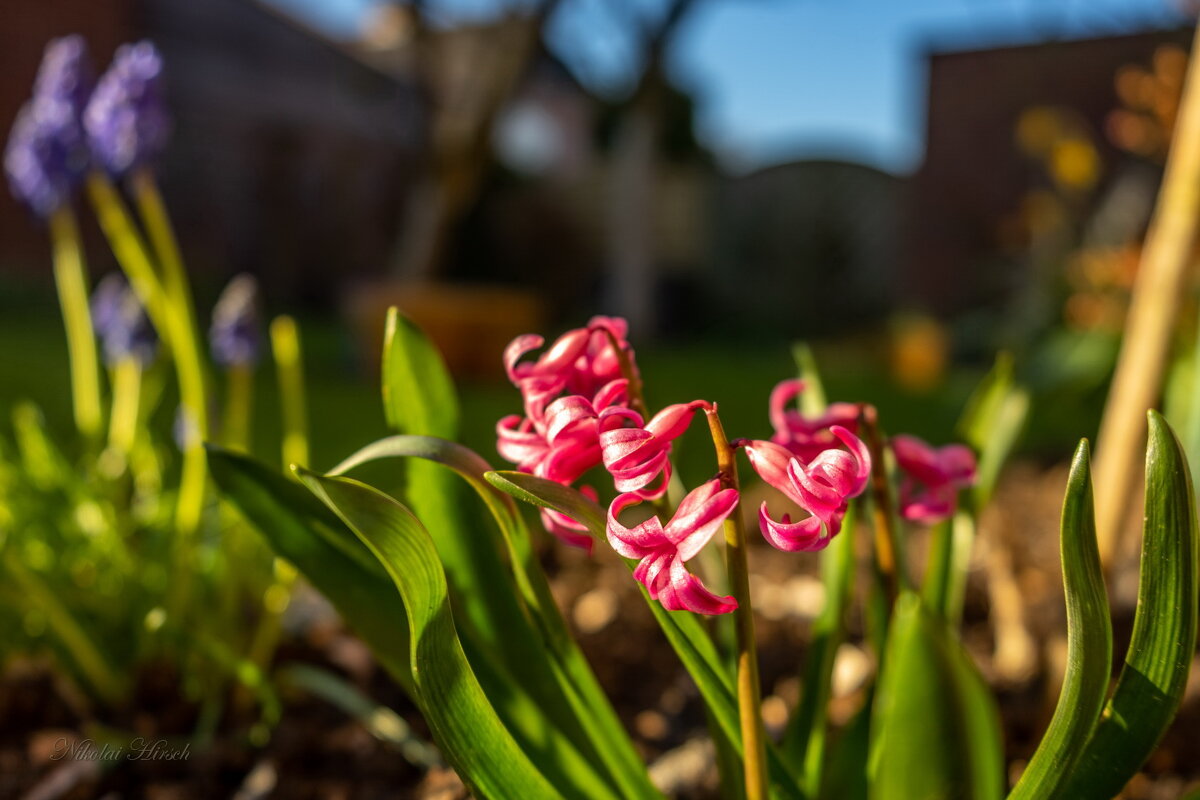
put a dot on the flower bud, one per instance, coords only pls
(126, 119)
(235, 336)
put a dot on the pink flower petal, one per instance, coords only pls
(804, 536)
(698, 517)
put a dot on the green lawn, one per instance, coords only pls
(344, 400)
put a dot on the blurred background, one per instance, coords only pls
(911, 186)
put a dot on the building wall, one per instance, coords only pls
(25, 27)
(287, 153)
(974, 175)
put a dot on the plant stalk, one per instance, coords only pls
(1154, 306)
(70, 276)
(172, 321)
(749, 691)
(886, 550)
(126, 379)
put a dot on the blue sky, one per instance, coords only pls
(780, 79)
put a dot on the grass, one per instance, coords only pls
(345, 410)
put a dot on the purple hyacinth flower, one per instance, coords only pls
(46, 155)
(66, 72)
(121, 323)
(235, 335)
(126, 119)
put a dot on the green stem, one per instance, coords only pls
(70, 275)
(87, 656)
(285, 346)
(887, 548)
(754, 741)
(171, 317)
(126, 379)
(239, 404)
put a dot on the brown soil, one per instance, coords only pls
(317, 751)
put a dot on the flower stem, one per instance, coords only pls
(126, 401)
(754, 746)
(285, 346)
(71, 278)
(172, 321)
(239, 404)
(886, 549)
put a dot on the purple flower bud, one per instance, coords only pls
(126, 119)
(46, 155)
(121, 323)
(235, 335)
(66, 72)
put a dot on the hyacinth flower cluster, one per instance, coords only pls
(584, 410)
(72, 122)
(121, 323)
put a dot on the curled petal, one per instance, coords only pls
(683, 591)
(566, 462)
(566, 413)
(699, 516)
(958, 462)
(655, 492)
(861, 453)
(518, 443)
(613, 393)
(806, 535)
(783, 394)
(567, 530)
(564, 352)
(672, 421)
(770, 461)
(517, 348)
(641, 541)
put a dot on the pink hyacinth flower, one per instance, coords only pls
(822, 487)
(932, 478)
(635, 456)
(664, 550)
(807, 437)
(580, 362)
(561, 445)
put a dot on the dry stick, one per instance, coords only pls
(1159, 286)
(886, 550)
(749, 691)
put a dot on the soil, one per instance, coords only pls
(1014, 628)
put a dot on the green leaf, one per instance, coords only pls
(300, 529)
(1154, 676)
(464, 723)
(806, 738)
(304, 531)
(418, 394)
(992, 422)
(936, 727)
(563, 685)
(1089, 645)
(812, 399)
(682, 629)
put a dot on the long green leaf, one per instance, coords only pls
(579, 705)
(806, 738)
(419, 399)
(682, 630)
(807, 735)
(1089, 645)
(1152, 682)
(303, 531)
(935, 726)
(464, 723)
